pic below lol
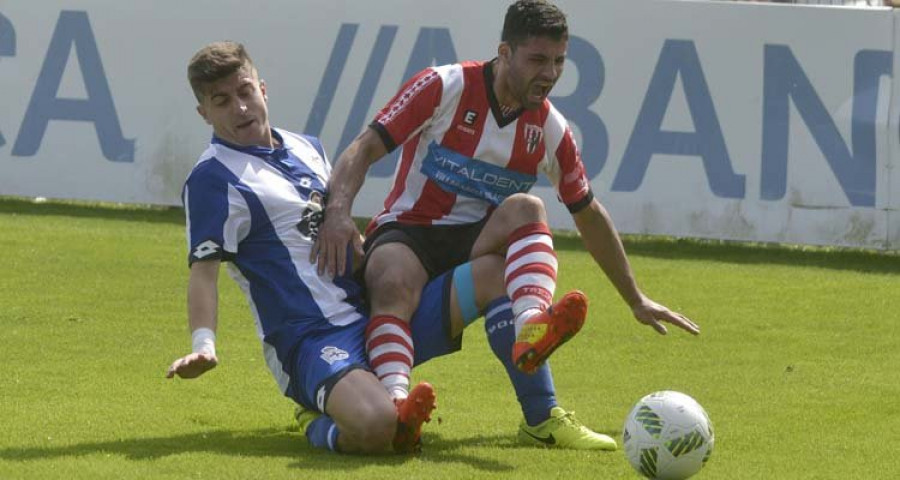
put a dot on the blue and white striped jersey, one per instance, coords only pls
(259, 209)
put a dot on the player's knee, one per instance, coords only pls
(374, 428)
(394, 290)
(394, 285)
(525, 208)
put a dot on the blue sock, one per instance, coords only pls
(322, 433)
(535, 392)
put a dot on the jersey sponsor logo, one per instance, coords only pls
(312, 217)
(206, 249)
(473, 178)
(533, 135)
(333, 354)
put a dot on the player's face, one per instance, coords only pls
(236, 108)
(533, 67)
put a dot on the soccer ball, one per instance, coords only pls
(668, 436)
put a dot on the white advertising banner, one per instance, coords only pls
(743, 121)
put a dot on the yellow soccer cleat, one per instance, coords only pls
(304, 417)
(563, 430)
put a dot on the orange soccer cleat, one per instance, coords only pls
(543, 333)
(412, 412)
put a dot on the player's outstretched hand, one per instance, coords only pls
(653, 314)
(192, 366)
(330, 249)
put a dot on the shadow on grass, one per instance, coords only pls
(436, 450)
(274, 443)
(260, 443)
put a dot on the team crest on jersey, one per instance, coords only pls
(533, 135)
(333, 354)
(312, 217)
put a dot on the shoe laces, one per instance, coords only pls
(568, 418)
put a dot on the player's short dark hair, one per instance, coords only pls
(533, 18)
(215, 62)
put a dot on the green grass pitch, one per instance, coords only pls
(797, 364)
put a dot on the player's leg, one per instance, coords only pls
(363, 414)
(453, 301)
(545, 423)
(329, 376)
(519, 228)
(400, 259)
(362, 418)
(394, 279)
(478, 290)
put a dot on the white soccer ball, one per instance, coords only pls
(668, 436)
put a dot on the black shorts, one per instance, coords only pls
(438, 247)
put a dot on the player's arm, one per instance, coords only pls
(602, 241)
(202, 316)
(402, 117)
(597, 230)
(338, 229)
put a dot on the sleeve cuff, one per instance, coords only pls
(580, 204)
(382, 132)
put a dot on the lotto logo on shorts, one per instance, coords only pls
(333, 354)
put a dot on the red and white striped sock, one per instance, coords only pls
(530, 271)
(389, 346)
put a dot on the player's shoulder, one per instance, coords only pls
(436, 74)
(207, 171)
(294, 140)
(452, 71)
(448, 72)
(211, 167)
(302, 144)
(456, 77)
(472, 65)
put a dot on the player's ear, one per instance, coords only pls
(504, 51)
(262, 88)
(202, 112)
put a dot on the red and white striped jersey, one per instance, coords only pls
(462, 156)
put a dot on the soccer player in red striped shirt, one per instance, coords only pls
(474, 137)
